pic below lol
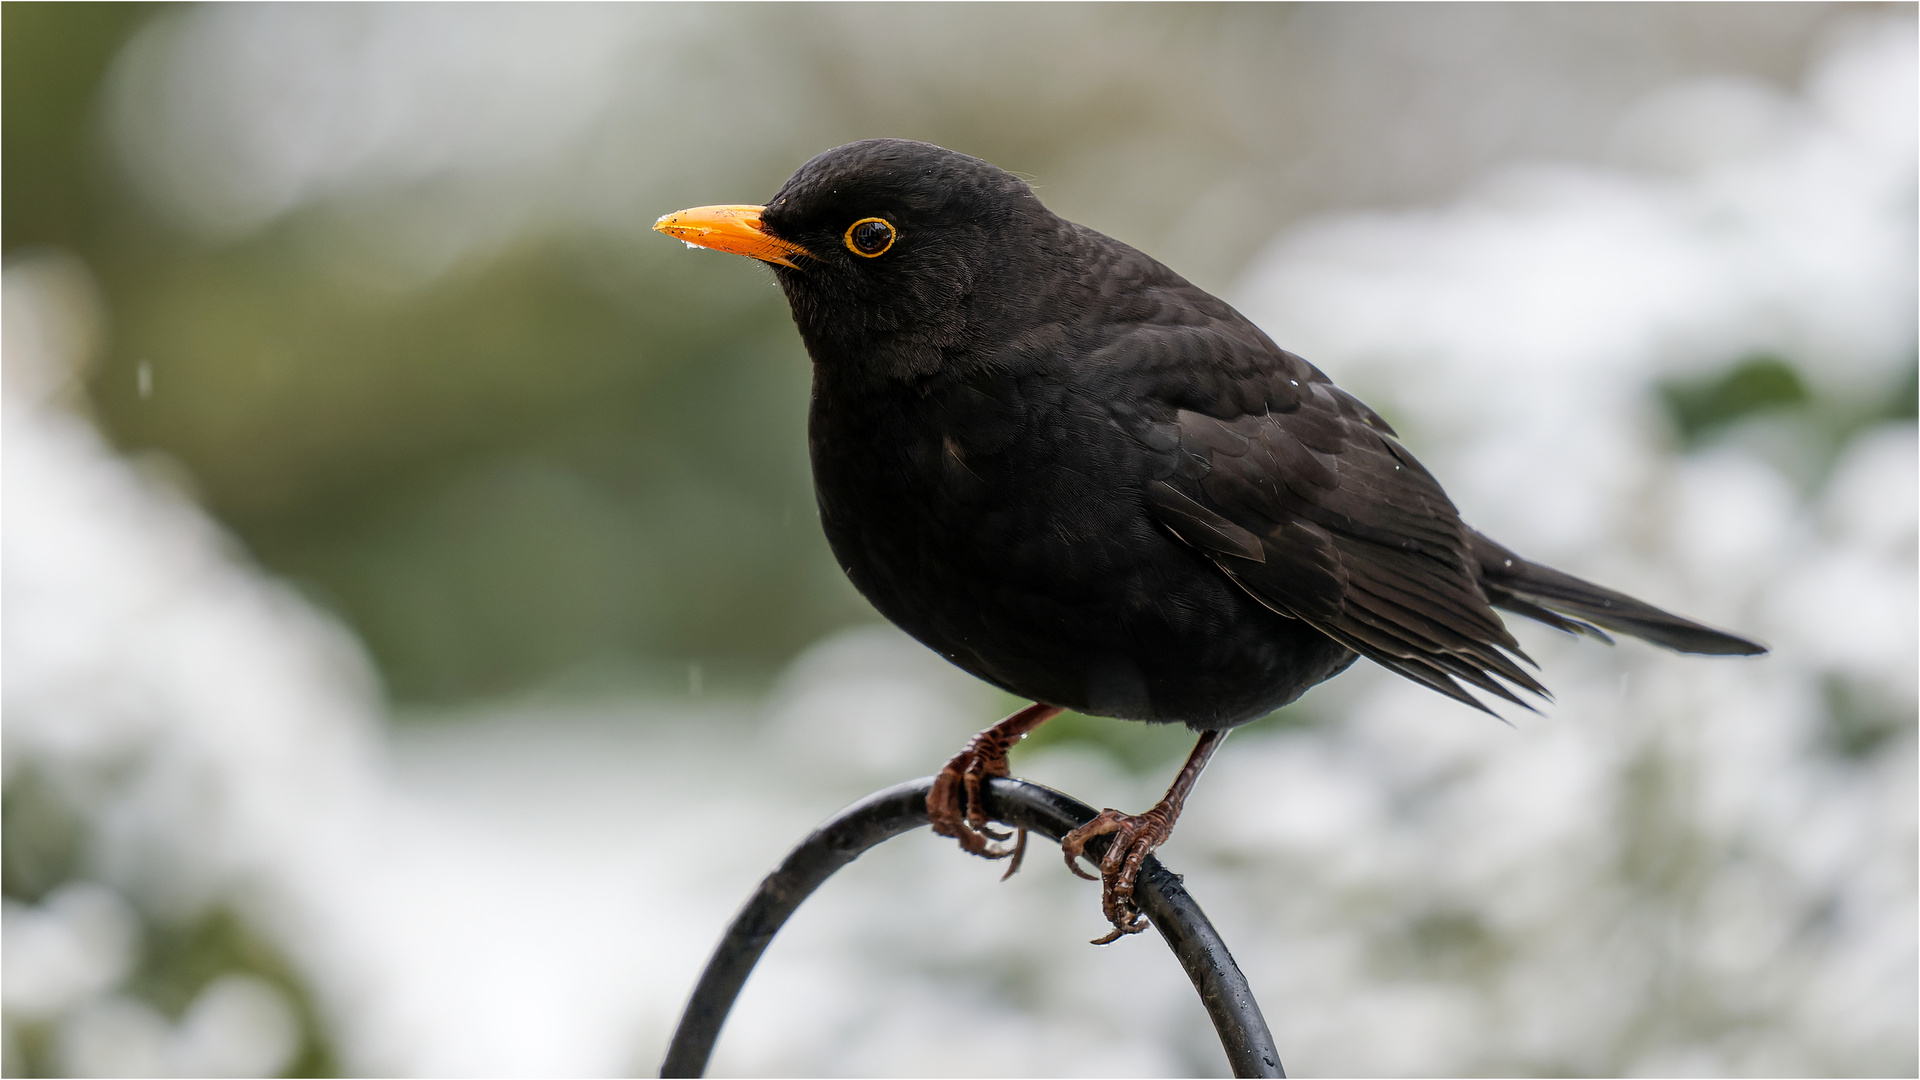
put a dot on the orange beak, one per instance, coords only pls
(734, 229)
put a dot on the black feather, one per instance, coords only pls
(1083, 479)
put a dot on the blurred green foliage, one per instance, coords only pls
(1771, 396)
(1758, 384)
(44, 842)
(1861, 718)
(40, 836)
(547, 462)
(1139, 748)
(179, 962)
(52, 57)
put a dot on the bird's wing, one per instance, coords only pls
(1305, 497)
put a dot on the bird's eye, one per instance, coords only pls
(869, 237)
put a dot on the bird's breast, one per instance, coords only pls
(967, 486)
(1007, 532)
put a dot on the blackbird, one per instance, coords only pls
(1077, 476)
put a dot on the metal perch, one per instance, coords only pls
(886, 814)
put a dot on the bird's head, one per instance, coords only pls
(886, 249)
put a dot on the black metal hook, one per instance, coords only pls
(886, 814)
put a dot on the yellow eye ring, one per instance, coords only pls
(870, 237)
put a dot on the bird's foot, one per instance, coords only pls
(955, 806)
(1135, 836)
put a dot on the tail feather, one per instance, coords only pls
(1507, 601)
(1567, 603)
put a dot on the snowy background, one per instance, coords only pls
(1679, 361)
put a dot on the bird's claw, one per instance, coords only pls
(1135, 836)
(955, 806)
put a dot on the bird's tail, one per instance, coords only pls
(1567, 603)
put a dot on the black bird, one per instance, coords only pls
(1079, 477)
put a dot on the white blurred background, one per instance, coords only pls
(388, 690)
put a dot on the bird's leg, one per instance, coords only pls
(954, 806)
(1135, 837)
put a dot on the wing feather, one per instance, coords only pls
(1305, 498)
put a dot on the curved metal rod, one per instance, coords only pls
(886, 814)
